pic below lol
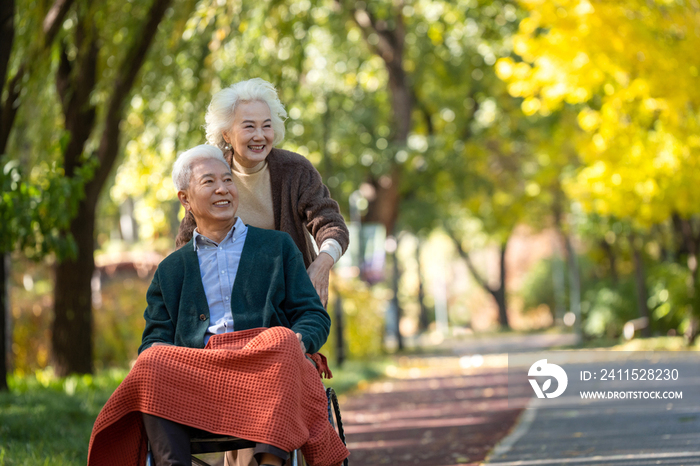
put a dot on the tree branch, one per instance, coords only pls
(51, 26)
(7, 36)
(465, 255)
(54, 19)
(136, 55)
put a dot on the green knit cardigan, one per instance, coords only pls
(272, 288)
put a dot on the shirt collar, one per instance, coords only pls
(236, 231)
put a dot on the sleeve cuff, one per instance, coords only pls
(332, 248)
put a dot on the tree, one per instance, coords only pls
(76, 79)
(633, 84)
(29, 219)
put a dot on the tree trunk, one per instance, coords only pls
(559, 288)
(395, 295)
(500, 293)
(384, 207)
(71, 337)
(423, 320)
(640, 284)
(72, 326)
(7, 35)
(572, 265)
(574, 282)
(689, 243)
(53, 20)
(5, 334)
(339, 330)
(612, 262)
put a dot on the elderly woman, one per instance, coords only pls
(278, 189)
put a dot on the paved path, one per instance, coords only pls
(568, 431)
(429, 419)
(441, 411)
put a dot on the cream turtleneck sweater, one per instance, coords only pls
(255, 202)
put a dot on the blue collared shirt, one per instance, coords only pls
(218, 264)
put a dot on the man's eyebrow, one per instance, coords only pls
(212, 175)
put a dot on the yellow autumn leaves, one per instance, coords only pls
(630, 69)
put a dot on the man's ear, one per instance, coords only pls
(184, 199)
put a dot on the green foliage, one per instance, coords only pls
(538, 288)
(606, 308)
(363, 317)
(35, 214)
(119, 320)
(669, 299)
(118, 317)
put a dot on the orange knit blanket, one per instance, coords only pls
(254, 384)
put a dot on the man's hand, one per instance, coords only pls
(318, 271)
(303, 346)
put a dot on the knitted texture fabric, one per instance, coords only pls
(254, 384)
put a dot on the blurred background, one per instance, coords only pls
(503, 166)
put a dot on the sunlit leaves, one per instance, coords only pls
(631, 68)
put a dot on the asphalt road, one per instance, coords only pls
(617, 432)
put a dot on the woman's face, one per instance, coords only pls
(251, 133)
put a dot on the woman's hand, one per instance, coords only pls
(318, 271)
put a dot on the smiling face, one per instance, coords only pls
(251, 133)
(212, 197)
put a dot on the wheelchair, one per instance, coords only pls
(214, 443)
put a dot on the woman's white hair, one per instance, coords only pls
(219, 117)
(182, 168)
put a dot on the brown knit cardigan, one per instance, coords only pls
(300, 201)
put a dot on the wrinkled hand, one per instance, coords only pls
(319, 271)
(303, 346)
(160, 343)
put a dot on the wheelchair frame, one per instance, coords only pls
(223, 443)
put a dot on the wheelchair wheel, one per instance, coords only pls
(335, 418)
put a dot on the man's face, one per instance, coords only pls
(211, 196)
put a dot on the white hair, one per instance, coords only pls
(219, 117)
(182, 168)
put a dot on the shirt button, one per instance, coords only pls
(223, 271)
(202, 317)
(226, 298)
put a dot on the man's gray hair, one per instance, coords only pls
(219, 117)
(182, 168)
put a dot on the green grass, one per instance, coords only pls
(353, 373)
(47, 421)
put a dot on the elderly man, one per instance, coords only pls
(229, 277)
